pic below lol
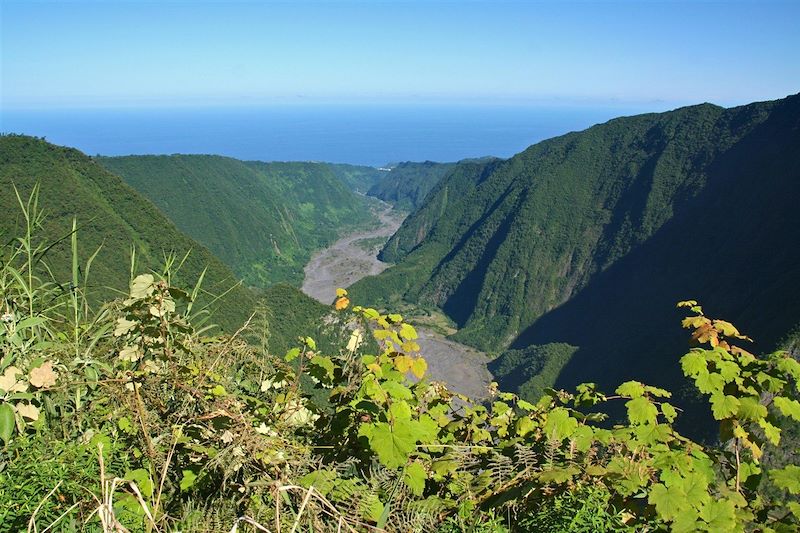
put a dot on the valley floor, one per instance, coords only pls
(353, 257)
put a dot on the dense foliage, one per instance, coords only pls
(357, 178)
(128, 417)
(406, 184)
(262, 219)
(113, 220)
(586, 235)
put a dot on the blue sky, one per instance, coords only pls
(128, 54)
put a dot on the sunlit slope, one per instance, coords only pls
(111, 216)
(263, 219)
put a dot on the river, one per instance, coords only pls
(353, 257)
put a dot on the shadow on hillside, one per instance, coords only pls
(625, 321)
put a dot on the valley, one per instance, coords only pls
(347, 260)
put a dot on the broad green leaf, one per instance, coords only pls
(418, 367)
(392, 443)
(399, 410)
(724, 406)
(583, 437)
(787, 365)
(524, 426)
(772, 433)
(720, 514)
(787, 407)
(686, 522)
(397, 390)
(141, 477)
(728, 370)
(188, 479)
(426, 429)
(323, 481)
(325, 363)
(787, 478)
(632, 389)
(408, 332)
(657, 392)
(695, 487)
(124, 424)
(557, 475)
(559, 424)
(694, 363)
(641, 411)
(414, 477)
(669, 502)
(444, 467)
(371, 506)
(595, 470)
(6, 422)
(750, 408)
(669, 412)
(525, 406)
(653, 433)
(709, 383)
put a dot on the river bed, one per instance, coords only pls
(353, 257)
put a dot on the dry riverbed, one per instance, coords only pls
(355, 256)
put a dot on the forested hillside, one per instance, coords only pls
(263, 219)
(588, 239)
(407, 184)
(111, 217)
(358, 178)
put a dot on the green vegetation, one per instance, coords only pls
(407, 184)
(583, 236)
(372, 244)
(127, 417)
(262, 219)
(112, 220)
(532, 370)
(357, 178)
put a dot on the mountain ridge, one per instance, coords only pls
(524, 237)
(264, 219)
(111, 216)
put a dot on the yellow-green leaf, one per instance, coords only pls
(414, 477)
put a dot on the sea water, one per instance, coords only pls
(360, 134)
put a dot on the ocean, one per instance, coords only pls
(360, 134)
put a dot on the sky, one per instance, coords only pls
(111, 53)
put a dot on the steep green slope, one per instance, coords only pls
(590, 238)
(407, 184)
(110, 215)
(263, 219)
(357, 178)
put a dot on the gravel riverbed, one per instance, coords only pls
(348, 260)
